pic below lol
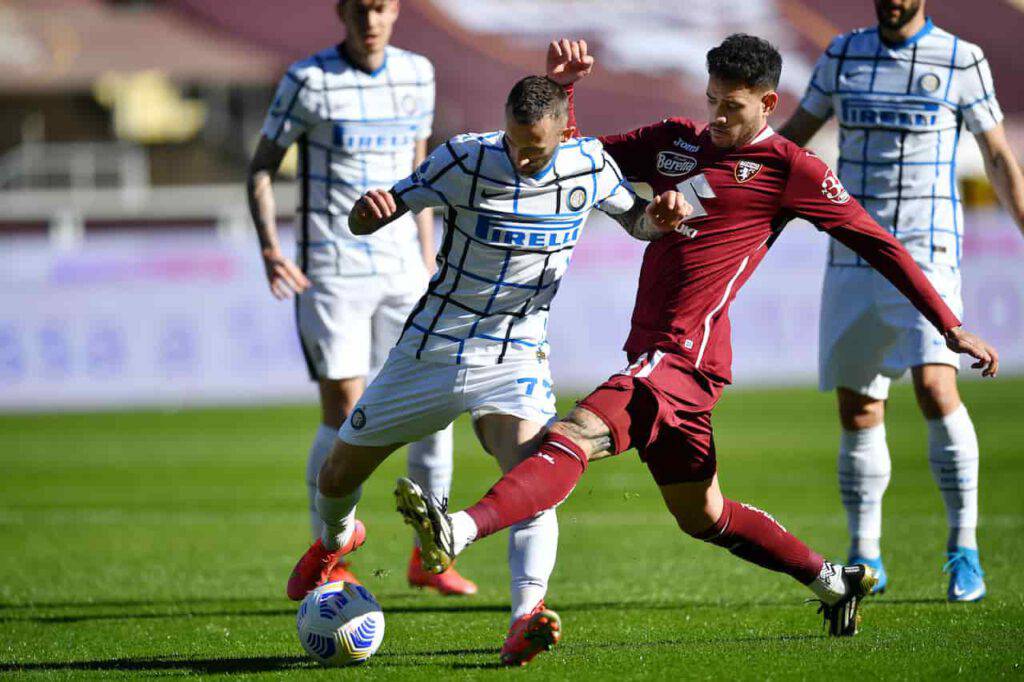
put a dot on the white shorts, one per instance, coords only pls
(412, 398)
(347, 325)
(870, 334)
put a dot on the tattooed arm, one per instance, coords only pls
(651, 220)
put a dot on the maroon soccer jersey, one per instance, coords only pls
(742, 199)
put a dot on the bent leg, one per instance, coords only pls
(545, 478)
(864, 468)
(337, 399)
(340, 486)
(952, 450)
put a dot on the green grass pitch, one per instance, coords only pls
(158, 543)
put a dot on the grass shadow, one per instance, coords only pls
(202, 666)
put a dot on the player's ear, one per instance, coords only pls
(769, 101)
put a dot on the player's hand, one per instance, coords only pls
(568, 61)
(668, 210)
(285, 278)
(960, 340)
(373, 208)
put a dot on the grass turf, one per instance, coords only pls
(158, 544)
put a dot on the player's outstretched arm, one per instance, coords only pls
(651, 220)
(801, 126)
(374, 210)
(283, 276)
(568, 61)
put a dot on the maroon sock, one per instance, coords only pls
(751, 534)
(537, 483)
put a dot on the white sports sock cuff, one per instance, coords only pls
(954, 419)
(852, 440)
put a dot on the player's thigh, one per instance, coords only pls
(626, 409)
(334, 322)
(524, 390)
(408, 400)
(682, 449)
(338, 398)
(509, 439)
(853, 339)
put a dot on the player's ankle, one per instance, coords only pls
(464, 531)
(829, 586)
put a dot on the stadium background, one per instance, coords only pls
(131, 272)
(147, 536)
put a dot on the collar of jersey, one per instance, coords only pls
(539, 174)
(925, 30)
(344, 57)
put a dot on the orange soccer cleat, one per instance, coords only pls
(316, 565)
(531, 634)
(341, 573)
(450, 582)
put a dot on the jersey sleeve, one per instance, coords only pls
(296, 106)
(426, 123)
(634, 152)
(433, 183)
(977, 95)
(817, 99)
(814, 193)
(614, 195)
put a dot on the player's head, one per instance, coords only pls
(895, 14)
(536, 120)
(743, 73)
(368, 23)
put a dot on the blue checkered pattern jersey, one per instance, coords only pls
(355, 131)
(507, 242)
(900, 110)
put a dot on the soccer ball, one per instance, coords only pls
(340, 624)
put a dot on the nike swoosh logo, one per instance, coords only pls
(500, 193)
(958, 591)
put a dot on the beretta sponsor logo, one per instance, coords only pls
(672, 164)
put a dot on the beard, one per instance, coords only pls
(886, 19)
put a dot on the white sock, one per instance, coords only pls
(532, 546)
(864, 470)
(463, 531)
(829, 586)
(318, 452)
(953, 456)
(430, 465)
(338, 515)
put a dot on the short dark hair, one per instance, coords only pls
(535, 97)
(746, 59)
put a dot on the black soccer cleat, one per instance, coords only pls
(842, 618)
(429, 518)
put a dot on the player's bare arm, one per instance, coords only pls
(425, 218)
(1003, 171)
(284, 276)
(801, 126)
(374, 210)
(651, 220)
(568, 61)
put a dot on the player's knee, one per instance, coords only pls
(695, 521)
(585, 430)
(936, 392)
(858, 412)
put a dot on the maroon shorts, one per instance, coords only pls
(662, 407)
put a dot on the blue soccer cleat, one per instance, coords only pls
(883, 578)
(965, 575)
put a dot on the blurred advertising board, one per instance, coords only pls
(183, 317)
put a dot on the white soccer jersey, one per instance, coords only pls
(356, 131)
(507, 242)
(900, 110)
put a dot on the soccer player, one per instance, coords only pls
(744, 183)
(361, 113)
(902, 91)
(514, 202)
